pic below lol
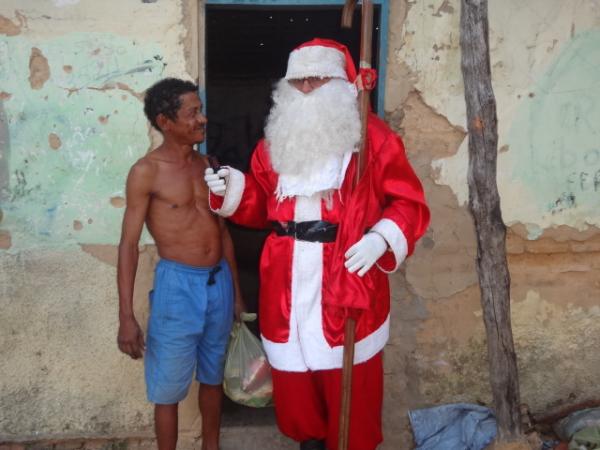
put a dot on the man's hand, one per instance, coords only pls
(217, 182)
(239, 308)
(131, 338)
(362, 255)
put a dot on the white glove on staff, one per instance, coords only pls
(217, 182)
(362, 255)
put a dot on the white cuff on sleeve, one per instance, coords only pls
(233, 193)
(395, 238)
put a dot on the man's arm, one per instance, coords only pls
(229, 255)
(139, 183)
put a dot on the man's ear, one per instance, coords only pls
(163, 122)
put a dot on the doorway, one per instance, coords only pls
(246, 46)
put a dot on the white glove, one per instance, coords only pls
(365, 253)
(217, 182)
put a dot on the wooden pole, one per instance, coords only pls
(366, 39)
(363, 102)
(348, 363)
(484, 203)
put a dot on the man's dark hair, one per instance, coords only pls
(163, 98)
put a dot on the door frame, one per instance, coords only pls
(382, 35)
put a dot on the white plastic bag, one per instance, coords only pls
(247, 378)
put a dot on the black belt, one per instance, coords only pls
(311, 230)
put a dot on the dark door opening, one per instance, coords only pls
(247, 47)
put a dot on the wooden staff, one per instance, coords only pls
(363, 101)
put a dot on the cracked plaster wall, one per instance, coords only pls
(72, 76)
(72, 88)
(545, 62)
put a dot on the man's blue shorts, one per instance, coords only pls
(191, 314)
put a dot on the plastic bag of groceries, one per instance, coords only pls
(247, 378)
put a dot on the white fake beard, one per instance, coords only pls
(304, 130)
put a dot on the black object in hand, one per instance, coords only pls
(214, 163)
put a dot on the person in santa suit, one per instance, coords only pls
(332, 245)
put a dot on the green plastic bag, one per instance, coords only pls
(586, 439)
(247, 378)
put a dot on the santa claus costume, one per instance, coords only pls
(301, 183)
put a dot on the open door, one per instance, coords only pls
(246, 47)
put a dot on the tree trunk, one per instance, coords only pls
(484, 203)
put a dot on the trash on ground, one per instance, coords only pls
(453, 426)
(584, 418)
(586, 439)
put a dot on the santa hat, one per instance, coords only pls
(321, 58)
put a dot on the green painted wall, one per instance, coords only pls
(71, 142)
(555, 137)
(72, 78)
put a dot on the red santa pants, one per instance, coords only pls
(307, 404)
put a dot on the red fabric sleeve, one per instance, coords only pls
(404, 198)
(215, 201)
(389, 189)
(259, 185)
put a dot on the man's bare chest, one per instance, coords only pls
(180, 188)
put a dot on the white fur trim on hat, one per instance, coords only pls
(316, 61)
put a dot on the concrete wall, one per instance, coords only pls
(545, 58)
(71, 78)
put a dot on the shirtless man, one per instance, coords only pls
(196, 291)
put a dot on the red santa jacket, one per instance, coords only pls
(306, 291)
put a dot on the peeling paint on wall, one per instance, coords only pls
(10, 28)
(67, 160)
(431, 51)
(555, 140)
(54, 141)
(545, 81)
(39, 71)
(117, 202)
(546, 89)
(550, 174)
(65, 150)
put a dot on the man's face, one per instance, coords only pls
(308, 84)
(189, 125)
(306, 128)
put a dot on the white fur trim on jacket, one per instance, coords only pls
(307, 348)
(395, 238)
(233, 193)
(292, 356)
(330, 176)
(316, 61)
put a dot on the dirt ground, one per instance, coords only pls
(511, 446)
(232, 438)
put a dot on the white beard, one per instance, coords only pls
(308, 136)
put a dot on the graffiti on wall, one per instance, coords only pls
(72, 125)
(554, 140)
